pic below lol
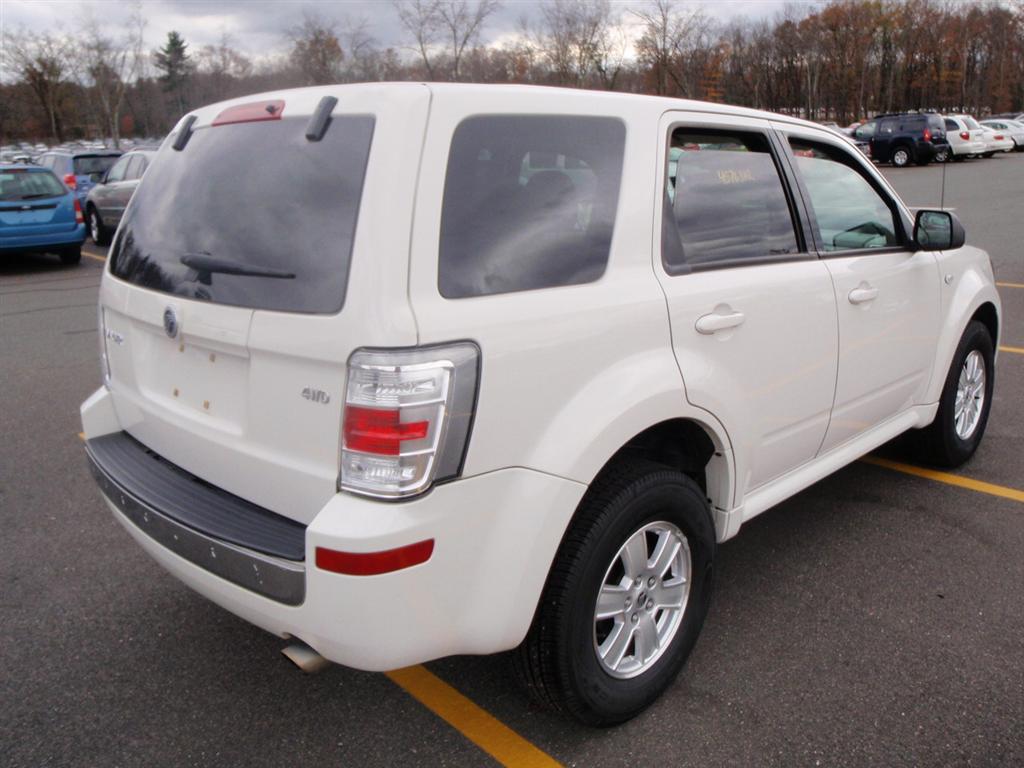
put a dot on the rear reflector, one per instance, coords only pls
(374, 563)
(251, 113)
(79, 219)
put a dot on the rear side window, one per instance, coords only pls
(29, 185)
(529, 203)
(251, 215)
(94, 166)
(725, 202)
(951, 125)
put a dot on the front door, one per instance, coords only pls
(886, 292)
(751, 306)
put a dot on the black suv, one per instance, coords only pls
(909, 137)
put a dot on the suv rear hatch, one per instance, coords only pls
(250, 264)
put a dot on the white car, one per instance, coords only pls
(965, 136)
(1011, 129)
(519, 399)
(996, 141)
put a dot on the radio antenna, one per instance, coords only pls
(942, 197)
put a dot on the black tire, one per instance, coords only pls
(71, 255)
(939, 442)
(902, 156)
(942, 156)
(988, 154)
(97, 230)
(558, 662)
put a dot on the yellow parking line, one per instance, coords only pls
(1015, 350)
(483, 729)
(1010, 285)
(950, 479)
(94, 256)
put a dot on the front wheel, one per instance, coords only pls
(97, 230)
(965, 401)
(626, 596)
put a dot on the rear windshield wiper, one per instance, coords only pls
(206, 265)
(37, 195)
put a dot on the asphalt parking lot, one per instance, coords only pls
(877, 618)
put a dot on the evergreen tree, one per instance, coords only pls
(173, 60)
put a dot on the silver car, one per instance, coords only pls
(106, 202)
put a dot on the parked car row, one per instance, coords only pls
(923, 137)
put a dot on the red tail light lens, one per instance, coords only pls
(965, 135)
(79, 219)
(927, 135)
(70, 181)
(380, 431)
(999, 137)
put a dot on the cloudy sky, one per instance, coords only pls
(257, 27)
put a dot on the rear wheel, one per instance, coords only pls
(942, 156)
(626, 597)
(901, 156)
(71, 255)
(965, 401)
(97, 231)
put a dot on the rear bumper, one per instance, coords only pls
(74, 236)
(969, 148)
(495, 537)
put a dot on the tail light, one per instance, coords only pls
(927, 135)
(965, 135)
(70, 181)
(407, 418)
(999, 137)
(79, 219)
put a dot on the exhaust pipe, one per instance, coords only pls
(305, 658)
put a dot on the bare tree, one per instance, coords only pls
(582, 41)
(669, 33)
(461, 21)
(108, 65)
(419, 19)
(362, 65)
(44, 63)
(316, 51)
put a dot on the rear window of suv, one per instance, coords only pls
(94, 165)
(529, 202)
(251, 215)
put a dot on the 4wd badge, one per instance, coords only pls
(316, 395)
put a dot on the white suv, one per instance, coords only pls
(404, 371)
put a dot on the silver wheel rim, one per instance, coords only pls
(901, 157)
(94, 226)
(970, 395)
(643, 596)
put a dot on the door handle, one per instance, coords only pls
(708, 324)
(863, 293)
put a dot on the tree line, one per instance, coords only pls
(841, 60)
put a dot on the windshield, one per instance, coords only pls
(19, 184)
(250, 214)
(94, 165)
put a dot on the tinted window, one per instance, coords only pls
(725, 200)
(887, 127)
(250, 197)
(529, 202)
(119, 170)
(936, 124)
(951, 125)
(19, 184)
(94, 166)
(850, 213)
(867, 130)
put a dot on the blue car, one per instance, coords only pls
(80, 170)
(39, 213)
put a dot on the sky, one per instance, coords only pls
(257, 27)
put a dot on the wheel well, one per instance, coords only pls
(986, 315)
(678, 443)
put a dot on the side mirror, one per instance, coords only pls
(938, 231)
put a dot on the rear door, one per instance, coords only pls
(249, 266)
(751, 307)
(886, 293)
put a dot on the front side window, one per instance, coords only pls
(724, 202)
(529, 203)
(866, 131)
(849, 211)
